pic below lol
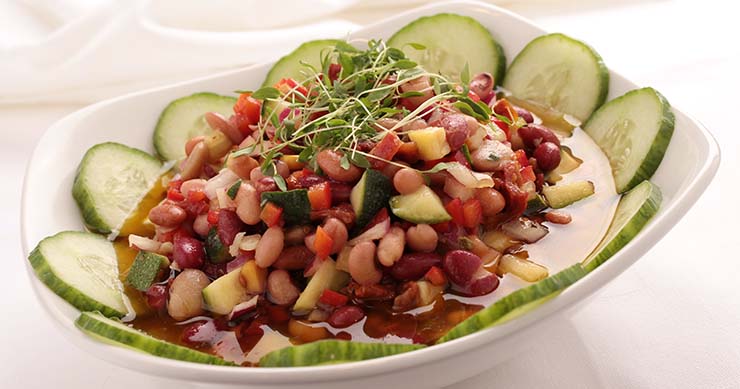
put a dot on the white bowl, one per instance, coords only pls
(689, 165)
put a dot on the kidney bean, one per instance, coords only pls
(524, 114)
(340, 192)
(265, 184)
(196, 184)
(547, 155)
(330, 163)
(456, 129)
(422, 237)
(483, 285)
(248, 204)
(413, 266)
(482, 85)
(190, 144)
(295, 235)
(294, 258)
(338, 232)
(242, 165)
(419, 84)
(229, 225)
(534, 134)
(269, 247)
(492, 201)
(304, 179)
(407, 181)
(193, 165)
(280, 288)
(362, 264)
(390, 247)
(218, 122)
(186, 298)
(460, 265)
(167, 214)
(345, 316)
(187, 252)
(156, 296)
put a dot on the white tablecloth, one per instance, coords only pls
(671, 321)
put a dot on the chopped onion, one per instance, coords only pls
(249, 242)
(237, 262)
(234, 248)
(525, 229)
(243, 308)
(224, 201)
(223, 179)
(373, 233)
(143, 243)
(468, 177)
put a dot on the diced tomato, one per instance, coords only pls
(473, 213)
(323, 243)
(521, 156)
(335, 299)
(408, 152)
(175, 184)
(442, 227)
(271, 214)
(175, 195)
(436, 276)
(334, 70)
(212, 217)
(455, 209)
(195, 196)
(504, 108)
(473, 96)
(285, 86)
(386, 149)
(527, 173)
(319, 196)
(248, 107)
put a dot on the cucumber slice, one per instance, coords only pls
(295, 204)
(634, 131)
(223, 294)
(290, 65)
(559, 72)
(332, 351)
(183, 119)
(111, 180)
(144, 270)
(451, 41)
(634, 211)
(81, 268)
(563, 195)
(116, 333)
(369, 196)
(520, 298)
(420, 207)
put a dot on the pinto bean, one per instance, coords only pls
(190, 144)
(422, 238)
(338, 232)
(201, 225)
(196, 184)
(186, 299)
(248, 204)
(419, 84)
(492, 201)
(193, 165)
(482, 85)
(242, 165)
(218, 122)
(491, 155)
(407, 181)
(280, 288)
(269, 247)
(390, 247)
(330, 160)
(362, 264)
(167, 214)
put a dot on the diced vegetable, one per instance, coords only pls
(370, 195)
(431, 142)
(143, 272)
(326, 277)
(563, 195)
(295, 204)
(224, 293)
(421, 207)
(522, 268)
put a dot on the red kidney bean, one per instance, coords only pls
(265, 184)
(229, 225)
(413, 266)
(456, 129)
(340, 192)
(304, 179)
(534, 134)
(460, 265)
(482, 85)
(524, 114)
(187, 252)
(294, 258)
(213, 270)
(483, 285)
(419, 84)
(167, 214)
(330, 163)
(345, 316)
(156, 296)
(547, 155)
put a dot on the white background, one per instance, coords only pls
(672, 320)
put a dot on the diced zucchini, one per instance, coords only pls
(369, 196)
(143, 272)
(326, 277)
(216, 251)
(431, 142)
(563, 195)
(568, 163)
(420, 207)
(536, 204)
(295, 204)
(224, 293)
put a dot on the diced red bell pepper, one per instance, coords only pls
(441, 227)
(332, 298)
(319, 196)
(175, 184)
(455, 209)
(527, 173)
(408, 152)
(175, 195)
(212, 217)
(323, 243)
(285, 86)
(271, 214)
(248, 107)
(386, 149)
(195, 196)
(334, 70)
(473, 213)
(436, 276)
(379, 217)
(473, 96)
(521, 156)
(504, 108)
